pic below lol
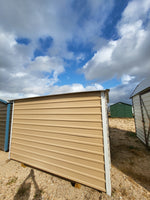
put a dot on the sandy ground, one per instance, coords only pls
(130, 173)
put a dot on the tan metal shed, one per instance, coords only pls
(141, 106)
(65, 134)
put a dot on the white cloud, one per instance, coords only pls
(135, 10)
(126, 79)
(130, 30)
(26, 78)
(38, 89)
(19, 76)
(59, 19)
(128, 57)
(101, 63)
(121, 93)
(22, 76)
(43, 64)
(76, 87)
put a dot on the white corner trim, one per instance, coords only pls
(106, 143)
(12, 115)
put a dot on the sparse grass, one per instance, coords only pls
(123, 191)
(131, 147)
(130, 134)
(113, 191)
(38, 194)
(12, 180)
(131, 162)
(129, 154)
(140, 177)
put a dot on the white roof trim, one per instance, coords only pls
(141, 86)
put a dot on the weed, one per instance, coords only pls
(113, 191)
(131, 162)
(123, 191)
(130, 134)
(12, 180)
(131, 147)
(38, 194)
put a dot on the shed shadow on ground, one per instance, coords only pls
(24, 190)
(130, 156)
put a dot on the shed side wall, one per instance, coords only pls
(62, 135)
(146, 112)
(121, 110)
(138, 118)
(3, 113)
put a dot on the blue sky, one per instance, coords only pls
(50, 47)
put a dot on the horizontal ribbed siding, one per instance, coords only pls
(146, 100)
(62, 135)
(3, 113)
(138, 118)
(138, 115)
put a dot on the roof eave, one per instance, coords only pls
(106, 90)
(3, 101)
(141, 92)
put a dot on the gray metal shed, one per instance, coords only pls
(141, 106)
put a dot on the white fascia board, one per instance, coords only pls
(12, 115)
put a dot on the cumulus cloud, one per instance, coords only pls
(127, 55)
(62, 21)
(21, 74)
(135, 10)
(121, 93)
(126, 58)
(126, 79)
(76, 87)
(54, 89)
(130, 52)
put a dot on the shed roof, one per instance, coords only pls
(59, 94)
(121, 103)
(3, 101)
(144, 85)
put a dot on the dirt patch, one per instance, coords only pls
(130, 174)
(128, 153)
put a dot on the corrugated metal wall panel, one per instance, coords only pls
(62, 135)
(121, 110)
(3, 113)
(138, 118)
(146, 101)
